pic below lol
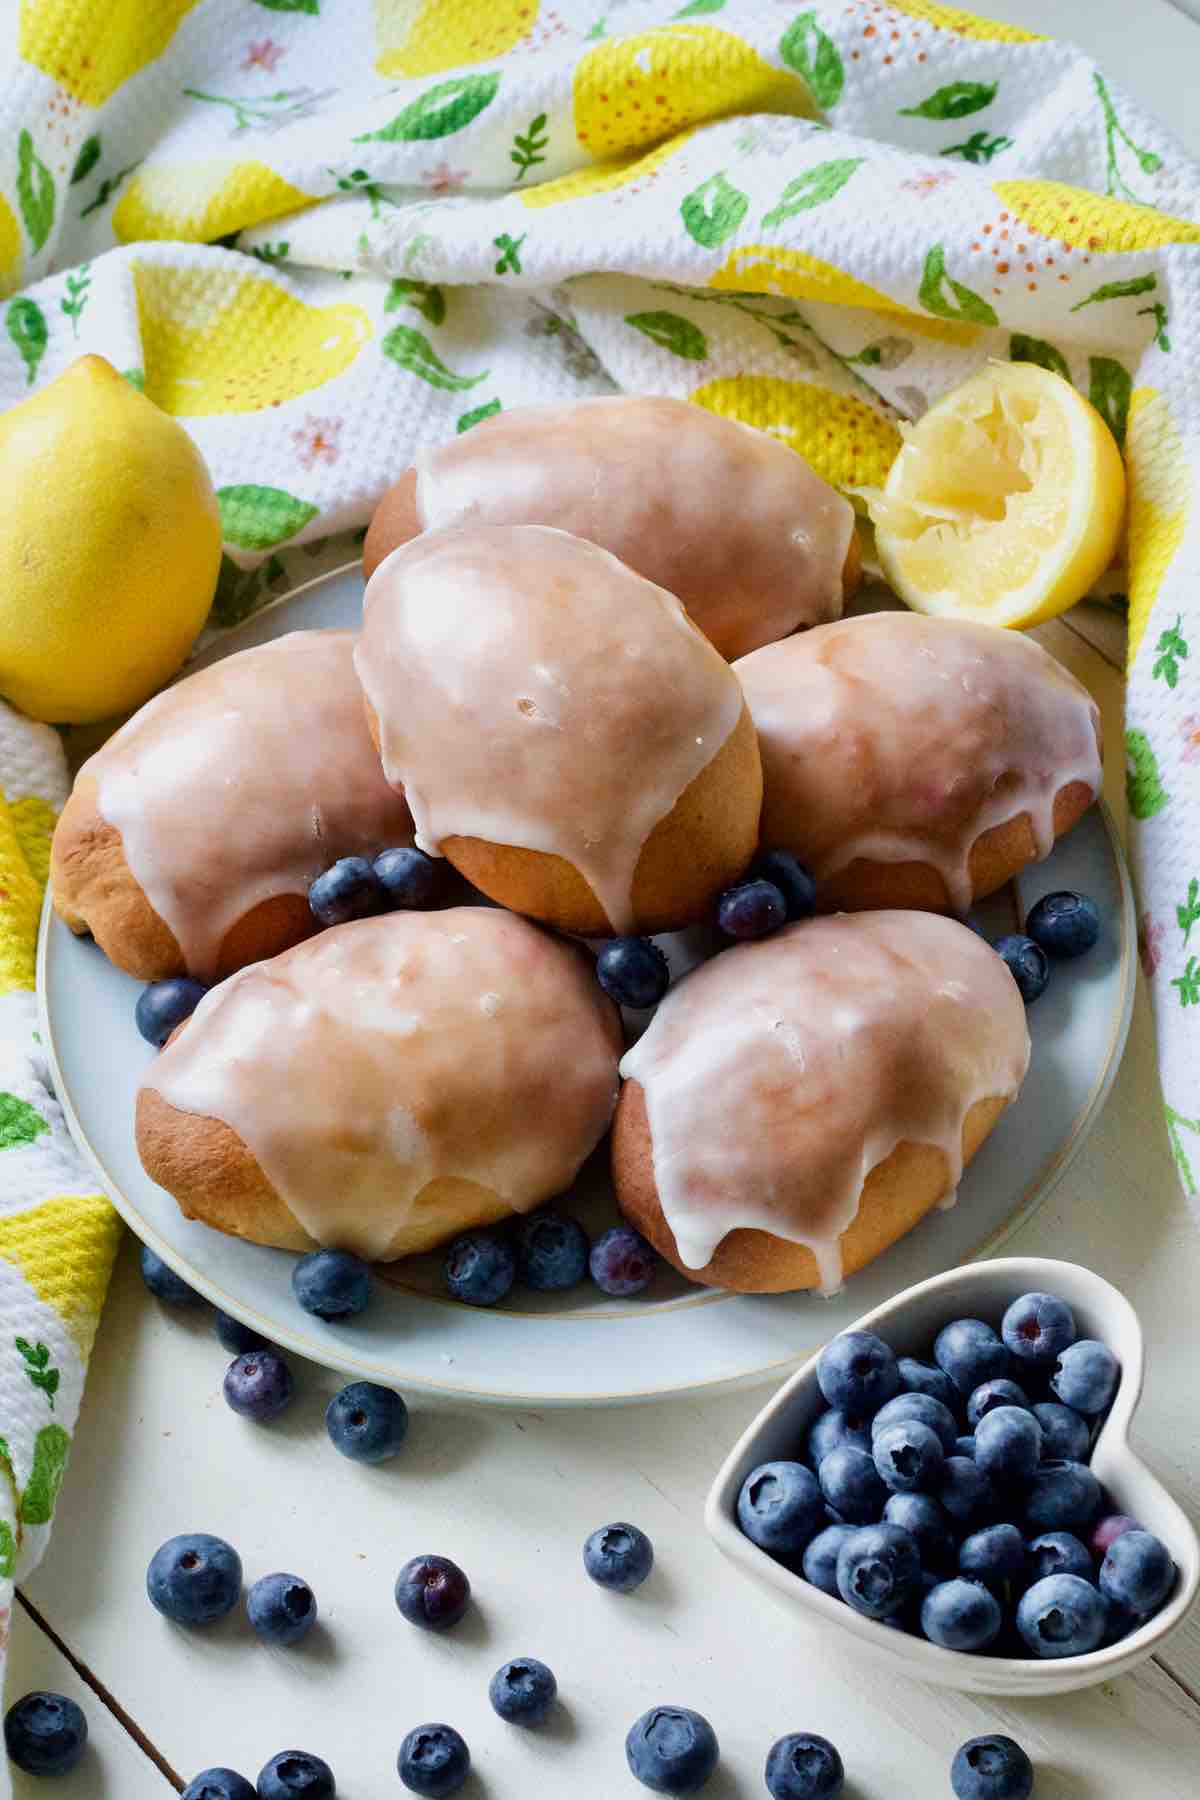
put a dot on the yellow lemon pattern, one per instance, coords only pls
(423, 37)
(216, 341)
(602, 178)
(965, 24)
(89, 49)
(1092, 222)
(10, 246)
(64, 1247)
(1161, 483)
(194, 202)
(845, 440)
(772, 269)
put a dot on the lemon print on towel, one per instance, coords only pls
(218, 341)
(636, 90)
(1160, 493)
(772, 269)
(423, 37)
(10, 246)
(846, 441)
(965, 24)
(90, 50)
(602, 178)
(194, 202)
(1085, 221)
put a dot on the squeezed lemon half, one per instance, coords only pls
(1005, 502)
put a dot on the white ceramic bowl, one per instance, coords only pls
(909, 1324)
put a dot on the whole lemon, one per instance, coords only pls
(110, 542)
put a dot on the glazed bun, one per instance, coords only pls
(563, 733)
(751, 540)
(385, 1085)
(798, 1104)
(918, 762)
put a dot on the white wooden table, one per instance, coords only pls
(511, 1496)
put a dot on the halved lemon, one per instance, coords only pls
(1005, 502)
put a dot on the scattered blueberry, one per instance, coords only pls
(258, 1384)
(918, 1377)
(411, 881)
(803, 1766)
(1008, 1444)
(480, 1268)
(1061, 1496)
(164, 1283)
(997, 1553)
(349, 890)
(1085, 1376)
(366, 1422)
(281, 1608)
(965, 1446)
(1106, 1531)
(928, 1523)
(1064, 924)
(1061, 1615)
(296, 1775)
(45, 1734)
(965, 1490)
(236, 1337)
(991, 1768)
(1059, 1553)
(752, 909)
(924, 1407)
(787, 873)
(672, 1750)
(1137, 1572)
(909, 1457)
(620, 1556)
(523, 1691)
(961, 1615)
(833, 1428)
(877, 1570)
(218, 1784)
(991, 1394)
(1065, 1432)
(857, 1372)
(1027, 963)
(164, 1005)
(819, 1564)
(194, 1579)
(1038, 1327)
(970, 1353)
(433, 1760)
(552, 1252)
(622, 1262)
(432, 1592)
(852, 1484)
(633, 971)
(332, 1284)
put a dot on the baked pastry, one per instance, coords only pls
(385, 1085)
(798, 1104)
(752, 541)
(563, 733)
(913, 761)
(192, 835)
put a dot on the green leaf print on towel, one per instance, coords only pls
(25, 323)
(1189, 983)
(312, 7)
(1176, 1125)
(953, 102)
(964, 305)
(49, 1465)
(805, 48)
(697, 8)
(1170, 650)
(1158, 313)
(1189, 912)
(713, 211)
(20, 1123)
(440, 111)
(1037, 350)
(258, 518)
(8, 1551)
(85, 162)
(673, 332)
(528, 147)
(38, 1367)
(510, 253)
(1109, 388)
(416, 354)
(979, 148)
(476, 414)
(35, 192)
(76, 296)
(1118, 290)
(1143, 786)
(429, 300)
(1114, 135)
(813, 188)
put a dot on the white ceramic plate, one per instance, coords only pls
(580, 1348)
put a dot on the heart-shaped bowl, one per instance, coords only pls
(909, 1323)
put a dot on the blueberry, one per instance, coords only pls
(633, 971)
(164, 1005)
(236, 1337)
(1106, 1531)
(45, 1734)
(1038, 1327)
(620, 1556)
(752, 909)
(349, 890)
(1061, 1496)
(1059, 1553)
(281, 1608)
(965, 1490)
(961, 1615)
(671, 1750)
(1027, 963)
(480, 1268)
(820, 1558)
(1008, 1444)
(803, 1766)
(1065, 1433)
(366, 1422)
(877, 1570)
(787, 873)
(991, 1394)
(218, 1784)
(194, 1579)
(965, 1446)
(852, 1484)
(552, 1252)
(432, 1592)
(928, 1523)
(433, 1760)
(1085, 1376)
(332, 1284)
(622, 1262)
(833, 1428)
(857, 1371)
(926, 1378)
(991, 1768)
(1064, 924)
(924, 1407)
(258, 1384)
(1137, 1572)
(296, 1775)
(411, 881)
(909, 1457)
(970, 1353)
(523, 1691)
(164, 1283)
(781, 1507)
(1061, 1615)
(997, 1553)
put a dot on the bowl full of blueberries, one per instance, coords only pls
(949, 1486)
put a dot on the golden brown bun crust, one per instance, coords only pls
(996, 856)
(706, 841)
(896, 1195)
(94, 890)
